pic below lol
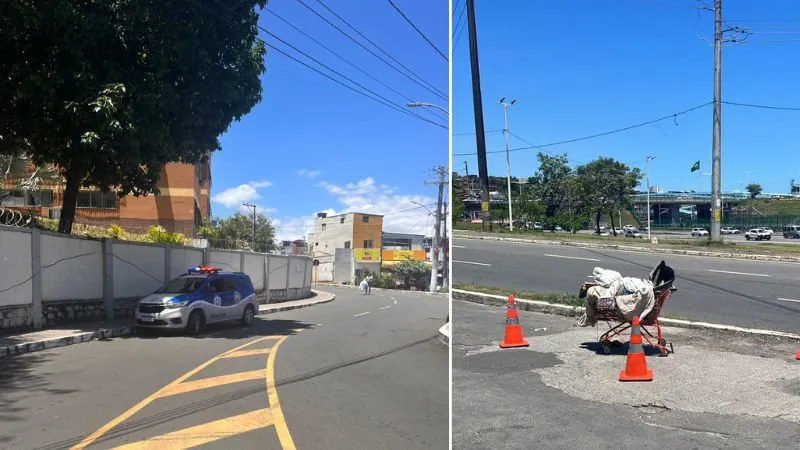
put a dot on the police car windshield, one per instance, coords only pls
(183, 285)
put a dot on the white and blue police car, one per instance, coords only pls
(201, 296)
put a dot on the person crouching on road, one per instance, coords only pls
(364, 286)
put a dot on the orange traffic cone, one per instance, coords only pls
(636, 364)
(513, 337)
(797, 356)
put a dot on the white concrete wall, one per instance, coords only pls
(323, 243)
(297, 268)
(254, 267)
(225, 261)
(181, 259)
(15, 268)
(325, 272)
(72, 268)
(138, 269)
(278, 267)
(309, 271)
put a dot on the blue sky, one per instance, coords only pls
(312, 145)
(580, 67)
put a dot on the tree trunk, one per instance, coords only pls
(68, 205)
(597, 222)
(613, 229)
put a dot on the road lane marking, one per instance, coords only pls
(470, 262)
(256, 352)
(361, 314)
(205, 433)
(386, 307)
(738, 273)
(458, 246)
(789, 300)
(205, 383)
(281, 428)
(89, 440)
(571, 257)
(395, 301)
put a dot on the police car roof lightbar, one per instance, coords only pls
(203, 269)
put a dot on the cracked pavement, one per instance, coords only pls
(718, 390)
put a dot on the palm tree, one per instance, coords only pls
(14, 168)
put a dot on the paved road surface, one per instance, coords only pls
(360, 372)
(525, 398)
(733, 292)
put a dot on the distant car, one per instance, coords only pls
(699, 232)
(729, 230)
(558, 228)
(768, 230)
(791, 232)
(628, 227)
(757, 234)
(201, 296)
(633, 233)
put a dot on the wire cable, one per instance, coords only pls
(462, 22)
(751, 105)
(429, 86)
(596, 135)
(396, 8)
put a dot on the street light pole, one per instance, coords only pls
(508, 159)
(647, 175)
(428, 105)
(253, 240)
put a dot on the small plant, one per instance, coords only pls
(159, 235)
(47, 224)
(116, 232)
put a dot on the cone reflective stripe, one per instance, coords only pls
(513, 334)
(636, 362)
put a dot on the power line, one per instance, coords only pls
(380, 99)
(596, 135)
(473, 133)
(417, 29)
(408, 99)
(430, 87)
(462, 22)
(751, 105)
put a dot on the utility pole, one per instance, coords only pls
(477, 105)
(253, 240)
(508, 159)
(647, 175)
(716, 150)
(445, 263)
(441, 180)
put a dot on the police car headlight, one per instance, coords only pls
(175, 305)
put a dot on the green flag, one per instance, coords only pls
(696, 166)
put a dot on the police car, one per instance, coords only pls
(201, 296)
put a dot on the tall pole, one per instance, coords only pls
(716, 202)
(477, 105)
(508, 160)
(445, 264)
(647, 175)
(253, 239)
(442, 174)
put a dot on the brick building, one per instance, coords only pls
(183, 203)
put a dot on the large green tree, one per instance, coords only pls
(236, 233)
(551, 182)
(605, 186)
(110, 91)
(754, 189)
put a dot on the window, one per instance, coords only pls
(365, 219)
(220, 285)
(97, 199)
(341, 219)
(368, 243)
(346, 244)
(22, 198)
(324, 226)
(183, 285)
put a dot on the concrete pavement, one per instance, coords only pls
(716, 391)
(752, 294)
(360, 372)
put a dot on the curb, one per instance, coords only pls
(574, 311)
(444, 334)
(278, 309)
(108, 333)
(437, 294)
(669, 251)
(46, 344)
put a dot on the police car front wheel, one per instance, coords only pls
(195, 323)
(249, 315)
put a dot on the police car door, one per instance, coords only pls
(220, 299)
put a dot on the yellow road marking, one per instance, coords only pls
(88, 440)
(205, 383)
(281, 428)
(205, 433)
(256, 352)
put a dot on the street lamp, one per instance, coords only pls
(647, 175)
(508, 160)
(428, 105)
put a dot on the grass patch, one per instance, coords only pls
(559, 298)
(774, 206)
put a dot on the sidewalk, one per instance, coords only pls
(17, 344)
(444, 293)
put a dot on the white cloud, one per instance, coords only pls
(259, 210)
(308, 173)
(248, 192)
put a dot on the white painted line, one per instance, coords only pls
(789, 300)
(458, 246)
(571, 257)
(395, 301)
(470, 262)
(361, 314)
(539, 329)
(738, 273)
(387, 307)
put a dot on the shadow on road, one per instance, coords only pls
(617, 348)
(232, 330)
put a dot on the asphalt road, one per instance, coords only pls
(732, 292)
(359, 372)
(557, 395)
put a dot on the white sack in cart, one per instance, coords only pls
(628, 296)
